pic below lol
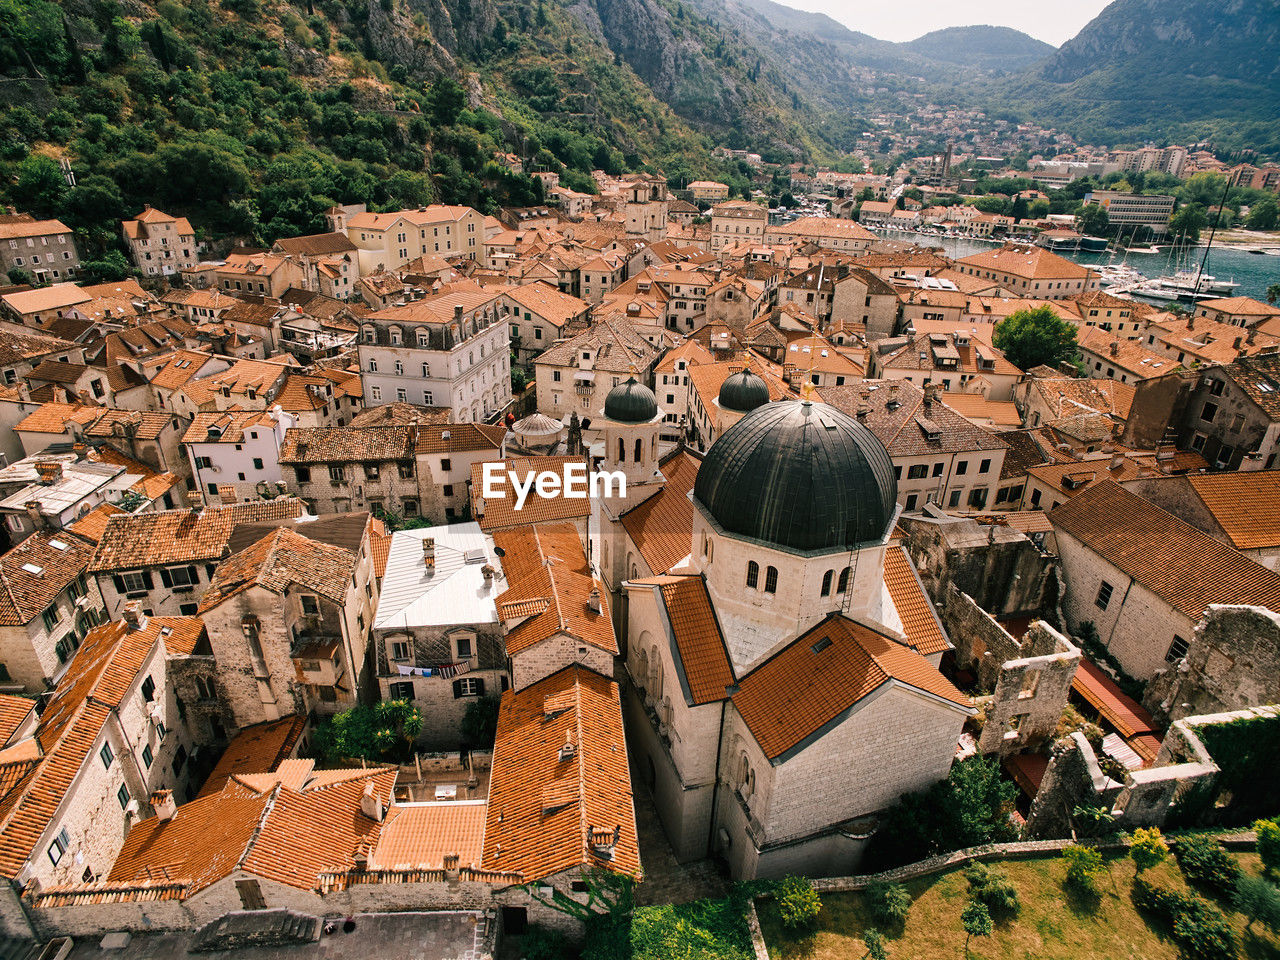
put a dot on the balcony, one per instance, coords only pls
(317, 659)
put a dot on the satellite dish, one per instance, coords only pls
(499, 552)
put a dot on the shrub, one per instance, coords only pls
(976, 920)
(1147, 848)
(1204, 932)
(889, 902)
(874, 941)
(991, 886)
(1083, 866)
(1259, 901)
(1268, 832)
(541, 943)
(798, 903)
(1207, 865)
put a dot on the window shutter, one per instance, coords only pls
(164, 577)
(479, 687)
(193, 574)
(457, 689)
(146, 578)
(119, 584)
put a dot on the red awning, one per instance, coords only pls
(1130, 719)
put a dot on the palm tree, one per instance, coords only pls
(1273, 293)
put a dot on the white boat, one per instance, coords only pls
(1185, 286)
(1117, 274)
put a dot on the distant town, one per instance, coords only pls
(937, 598)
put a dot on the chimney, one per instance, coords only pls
(567, 750)
(429, 552)
(50, 472)
(79, 449)
(33, 511)
(370, 805)
(488, 572)
(133, 615)
(1238, 341)
(593, 601)
(1115, 348)
(163, 804)
(1117, 461)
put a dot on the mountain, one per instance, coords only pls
(992, 49)
(1162, 69)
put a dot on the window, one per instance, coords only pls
(303, 474)
(131, 583)
(1209, 412)
(753, 574)
(843, 585)
(257, 463)
(400, 650)
(1177, 650)
(405, 470)
(107, 755)
(985, 466)
(912, 499)
(826, 582)
(400, 691)
(51, 618)
(954, 499)
(937, 469)
(463, 647)
(1216, 387)
(59, 846)
(122, 795)
(917, 472)
(962, 468)
(147, 756)
(468, 687)
(411, 506)
(179, 576)
(771, 580)
(372, 471)
(310, 605)
(148, 689)
(1104, 595)
(179, 760)
(337, 474)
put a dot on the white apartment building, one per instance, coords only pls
(388, 241)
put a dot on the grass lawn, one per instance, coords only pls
(1050, 926)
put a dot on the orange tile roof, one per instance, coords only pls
(549, 583)
(542, 809)
(55, 417)
(259, 748)
(919, 620)
(281, 559)
(702, 658)
(660, 526)
(423, 834)
(459, 437)
(793, 695)
(499, 514)
(174, 370)
(34, 572)
(91, 525)
(14, 711)
(1190, 570)
(99, 677)
(1033, 263)
(181, 536)
(1124, 713)
(1246, 505)
(379, 546)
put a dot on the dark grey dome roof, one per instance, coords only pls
(631, 402)
(800, 475)
(743, 392)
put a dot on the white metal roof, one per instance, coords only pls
(455, 592)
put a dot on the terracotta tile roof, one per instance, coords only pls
(56, 297)
(811, 227)
(55, 417)
(1034, 263)
(919, 619)
(14, 712)
(99, 677)
(227, 426)
(181, 536)
(379, 546)
(423, 834)
(660, 526)
(1003, 414)
(1190, 570)
(279, 560)
(315, 245)
(56, 371)
(542, 809)
(897, 415)
(548, 303)
(91, 525)
(549, 583)
(702, 656)
(922, 353)
(259, 748)
(346, 444)
(175, 370)
(500, 514)
(459, 437)
(1259, 378)
(140, 425)
(34, 572)
(1067, 395)
(16, 229)
(1246, 505)
(399, 415)
(616, 346)
(16, 347)
(1131, 356)
(793, 695)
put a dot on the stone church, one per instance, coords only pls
(781, 654)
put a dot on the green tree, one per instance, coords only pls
(1187, 223)
(480, 722)
(1263, 215)
(1259, 901)
(380, 731)
(41, 186)
(1084, 864)
(976, 920)
(1268, 832)
(1147, 848)
(798, 903)
(874, 941)
(1273, 293)
(19, 276)
(1093, 220)
(1032, 338)
(992, 887)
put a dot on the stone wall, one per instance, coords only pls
(1030, 694)
(983, 645)
(1233, 662)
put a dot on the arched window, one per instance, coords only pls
(639, 449)
(844, 581)
(771, 580)
(826, 582)
(753, 574)
(622, 450)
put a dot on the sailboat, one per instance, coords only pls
(1187, 285)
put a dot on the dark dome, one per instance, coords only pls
(800, 475)
(631, 402)
(743, 392)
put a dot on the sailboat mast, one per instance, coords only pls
(1212, 230)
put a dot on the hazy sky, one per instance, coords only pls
(1053, 23)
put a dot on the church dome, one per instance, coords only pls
(631, 402)
(799, 475)
(743, 392)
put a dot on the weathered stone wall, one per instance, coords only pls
(1030, 694)
(1233, 662)
(984, 645)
